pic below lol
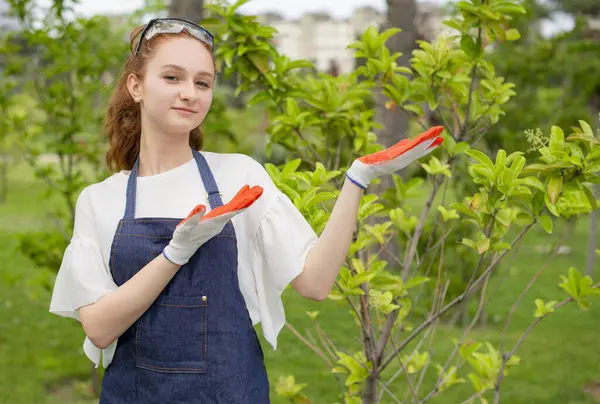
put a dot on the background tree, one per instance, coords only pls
(188, 9)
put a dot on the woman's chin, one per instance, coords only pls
(179, 129)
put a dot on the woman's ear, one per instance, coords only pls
(135, 87)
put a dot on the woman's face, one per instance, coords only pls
(176, 92)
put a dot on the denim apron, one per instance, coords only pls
(195, 344)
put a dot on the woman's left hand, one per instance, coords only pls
(364, 169)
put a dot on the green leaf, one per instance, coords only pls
(584, 304)
(416, 281)
(460, 148)
(555, 186)
(532, 182)
(590, 197)
(448, 214)
(361, 278)
(543, 309)
(571, 283)
(468, 7)
(312, 314)
(415, 109)
(508, 7)
(464, 209)
(501, 245)
(258, 98)
(550, 206)
(546, 223)
(587, 129)
(319, 198)
(469, 243)
(435, 167)
(557, 139)
(290, 167)
(481, 157)
(506, 216)
(483, 245)
(231, 9)
(471, 47)
(512, 34)
(299, 64)
(357, 366)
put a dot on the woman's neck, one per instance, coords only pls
(163, 153)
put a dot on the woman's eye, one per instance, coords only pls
(202, 84)
(171, 78)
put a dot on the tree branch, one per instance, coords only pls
(310, 345)
(454, 302)
(463, 132)
(441, 380)
(528, 287)
(420, 226)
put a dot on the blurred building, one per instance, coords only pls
(7, 23)
(324, 40)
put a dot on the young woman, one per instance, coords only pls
(167, 280)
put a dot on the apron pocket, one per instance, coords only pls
(171, 335)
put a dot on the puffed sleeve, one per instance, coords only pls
(282, 243)
(83, 277)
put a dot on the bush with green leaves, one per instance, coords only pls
(324, 123)
(59, 74)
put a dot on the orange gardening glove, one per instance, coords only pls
(196, 229)
(364, 169)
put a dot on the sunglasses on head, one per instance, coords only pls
(171, 25)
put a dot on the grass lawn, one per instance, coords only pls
(41, 360)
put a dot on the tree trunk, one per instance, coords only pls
(400, 14)
(594, 107)
(96, 384)
(3, 177)
(370, 393)
(188, 9)
(593, 238)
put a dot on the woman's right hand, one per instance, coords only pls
(195, 230)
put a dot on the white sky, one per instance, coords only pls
(289, 8)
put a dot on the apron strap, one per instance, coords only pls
(131, 191)
(214, 196)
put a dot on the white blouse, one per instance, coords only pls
(273, 237)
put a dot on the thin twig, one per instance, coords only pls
(410, 385)
(392, 395)
(528, 287)
(308, 344)
(474, 397)
(435, 304)
(325, 340)
(441, 380)
(420, 226)
(399, 371)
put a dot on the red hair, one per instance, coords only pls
(123, 124)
